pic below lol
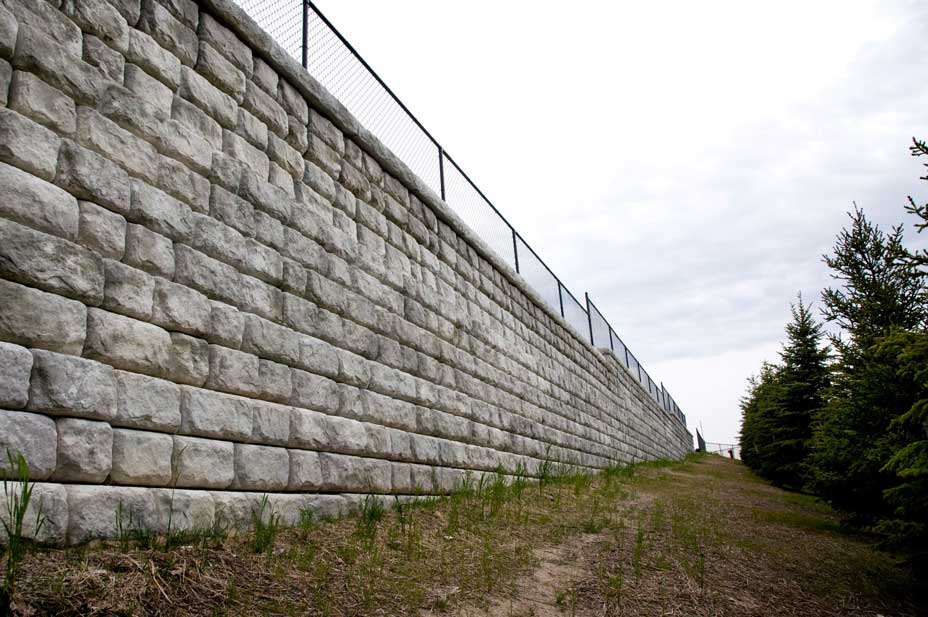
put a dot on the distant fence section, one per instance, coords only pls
(306, 34)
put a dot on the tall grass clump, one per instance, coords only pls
(18, 493)
(265, 526)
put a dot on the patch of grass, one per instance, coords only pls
(800, 520)
(265, 526)
(17, 491)
(659, 538)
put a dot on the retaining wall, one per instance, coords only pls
(215, 284)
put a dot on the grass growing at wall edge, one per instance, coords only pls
(700, 537)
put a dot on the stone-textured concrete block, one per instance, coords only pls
(170, 33)
(101, 231)
(31, 435)
(181, 309)
(238, 148)
(262, 468)
(219, 105)
(128, 291)
(27, 144)
(225, 41)
(203, 463)
(270, 424)
(211, 414)
(222, 73)
(226, 325)
(143, 84)
(269, 340)
(149, 251)
(265, 77)
(39, 204)
(37, 319)
(198, 121)
(88, 175)
(67, 385)
(106, 137)
(94, 510)
(175, 179)
(305, 471)
(55, 63)
(233, 371)
(8, 29)
(99, 18)
(15, 368)
(147, 403)
(46, 20)
(50, 263)
(44, 104)
(160, 212)
(108, 61)
(145, 52)
(142, 458)
(354, 474)
(265, 107)
(51, 501)
(84, 450)
(276, 381)
(184, 509)
(132, 345)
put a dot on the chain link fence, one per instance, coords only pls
(307, 35)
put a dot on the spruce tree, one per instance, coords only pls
(803, 380)
(758, 413)
(882, 292)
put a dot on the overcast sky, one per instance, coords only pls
(685, 163)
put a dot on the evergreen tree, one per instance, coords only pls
(781, 403)
(803, 379)
(758, 411)
(882, 292)
(881, 287)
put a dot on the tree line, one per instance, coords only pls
(844, 414)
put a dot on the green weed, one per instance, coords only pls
(18, 493)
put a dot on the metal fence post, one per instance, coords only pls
(305, 35)
(515, 249)
(560, 297)
(441, 174)
(589, 317)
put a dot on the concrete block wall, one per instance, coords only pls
(215, 284)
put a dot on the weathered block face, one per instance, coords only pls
(208, 282)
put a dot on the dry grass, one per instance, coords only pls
(696, 538)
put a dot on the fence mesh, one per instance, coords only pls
(599, 328)
(575, 314)
(342, 72)
(538, 276)
(477, 212)
(332, 61)
(282, 19)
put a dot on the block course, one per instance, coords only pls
(213, 278)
